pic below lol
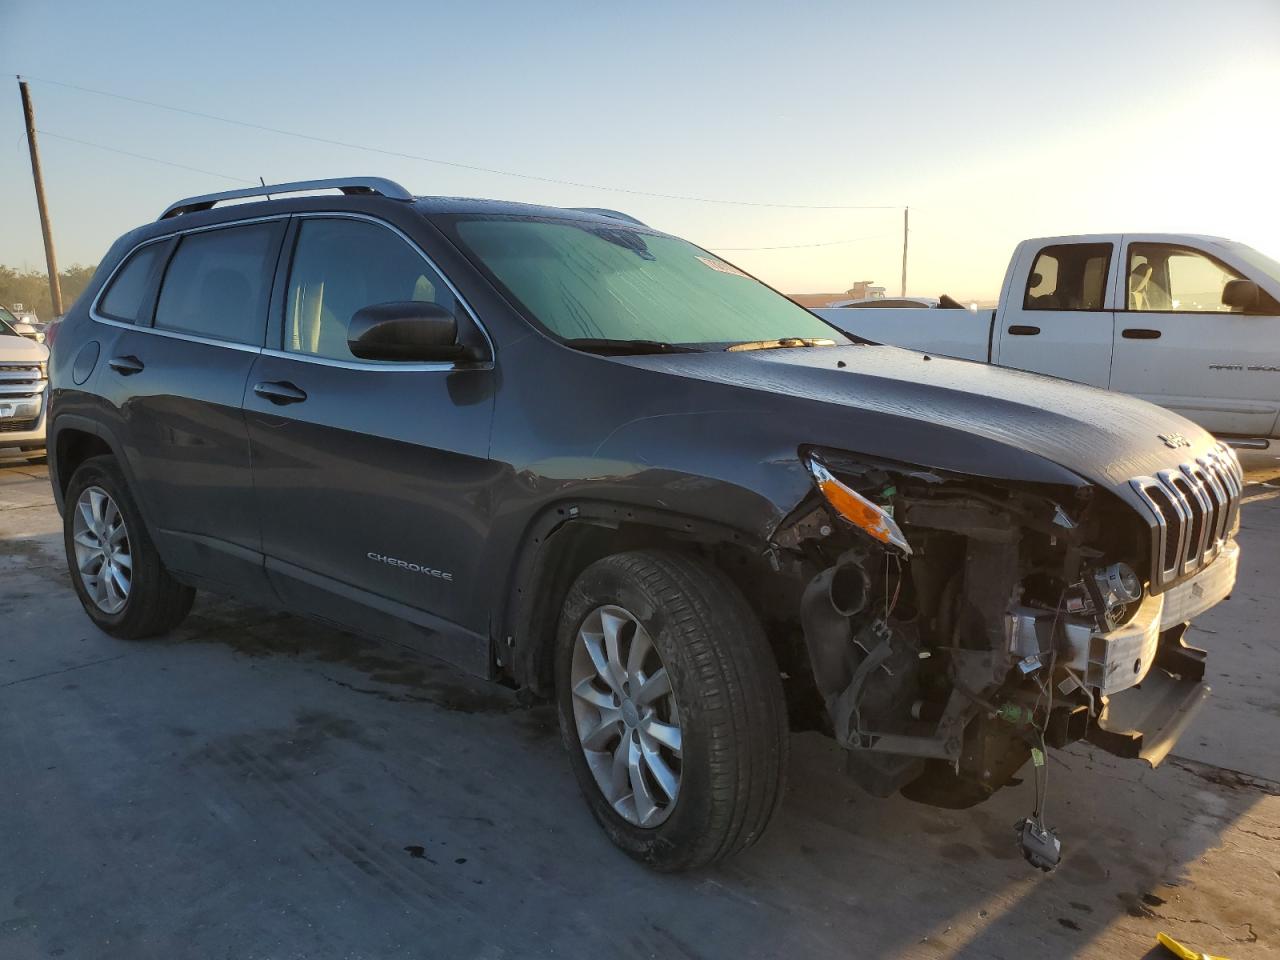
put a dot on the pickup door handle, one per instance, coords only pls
(279, 392)
(1140, 333)
(126, 366)
(1022, 330)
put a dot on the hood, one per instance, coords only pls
(1106, 438)
(22, 350)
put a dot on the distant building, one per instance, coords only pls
(861, 290)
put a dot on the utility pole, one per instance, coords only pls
(50, 258)
(905, 212)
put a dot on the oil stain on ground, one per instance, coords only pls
(394, 673)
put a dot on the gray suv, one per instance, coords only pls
(585, 458)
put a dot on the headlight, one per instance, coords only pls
(871, 519)
(1111, 594)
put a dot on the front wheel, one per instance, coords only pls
(671, 708)
(115, 568)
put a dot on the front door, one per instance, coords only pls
(1177, 344)
(371, 477)
(1059, 322)
(177, 376)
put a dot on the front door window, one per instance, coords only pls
(1169, 279)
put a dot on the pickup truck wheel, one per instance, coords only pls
(671, 708)
(115, 568)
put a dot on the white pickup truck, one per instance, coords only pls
(1189, 322)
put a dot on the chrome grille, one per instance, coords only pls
(1194, 509)
(21, 380)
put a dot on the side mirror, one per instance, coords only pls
(1242, 294)
(407, 331)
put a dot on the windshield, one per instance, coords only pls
(597, 281)
(1257, 260)
(6, 318)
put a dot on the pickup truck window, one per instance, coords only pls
(1165, 278)
(604, 281)
(1069, 276)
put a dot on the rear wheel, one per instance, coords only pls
(115, 568)
(670, 707)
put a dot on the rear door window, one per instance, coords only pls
(1069, 276)
(218, 283)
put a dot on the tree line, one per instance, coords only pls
(31, 288)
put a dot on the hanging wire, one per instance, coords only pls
(497, 171)
(142, 156)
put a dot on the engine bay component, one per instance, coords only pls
(1040, 846)
(1015, 619)
(1108, 594)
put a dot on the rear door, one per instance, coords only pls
(1177, 345)
(1056, 316)
(177, 376)
(371, 477)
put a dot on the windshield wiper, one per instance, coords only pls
(626, 347)
(781, 344)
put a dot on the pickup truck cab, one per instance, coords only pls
(1189, 322)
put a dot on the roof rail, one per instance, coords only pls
(611, 214)
(349, 185)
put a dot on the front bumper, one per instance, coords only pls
(1151, 683)
(1117, 660)
(23, 420)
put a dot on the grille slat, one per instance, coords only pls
(21, 380)
(1194, 510)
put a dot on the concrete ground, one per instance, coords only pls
(257, 786)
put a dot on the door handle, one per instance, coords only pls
(279, 392)
(126, 366)
(1140, 333)
(1022, 330)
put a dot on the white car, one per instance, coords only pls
(884, 302)
(24, 322)
(24, 391)
(1189, 322)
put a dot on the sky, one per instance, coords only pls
(992, 121)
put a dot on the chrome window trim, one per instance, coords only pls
(179, 335)
(98, 317)
(356, 364)
(390, 366)
(408, 367)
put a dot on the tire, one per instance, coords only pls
(725, 701)
(154, 601)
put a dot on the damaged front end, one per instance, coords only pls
(957, 627)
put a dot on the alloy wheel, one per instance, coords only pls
(103, 555)
(626, 716)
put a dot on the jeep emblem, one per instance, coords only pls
(1174, 440)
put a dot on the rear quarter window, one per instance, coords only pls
(129, 297)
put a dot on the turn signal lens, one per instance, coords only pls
(857, 509)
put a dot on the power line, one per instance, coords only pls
(462, 166)
(797, 246)
(227, 176)
(143, 156)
